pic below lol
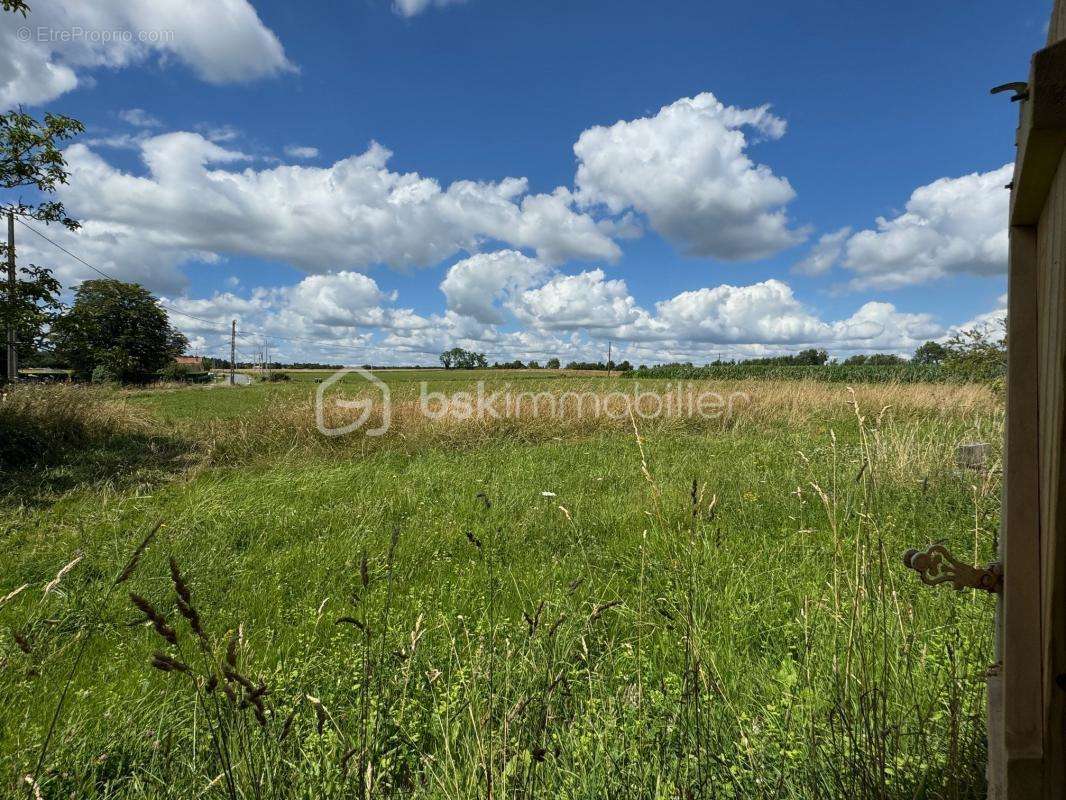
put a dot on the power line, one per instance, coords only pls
(221, 326)
(98, 271)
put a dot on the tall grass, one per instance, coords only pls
(38, 423)
(567, 409)
(584, 608)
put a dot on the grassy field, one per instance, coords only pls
(570, 607)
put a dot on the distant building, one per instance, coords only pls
(193, 363)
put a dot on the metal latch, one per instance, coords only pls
(936, 565)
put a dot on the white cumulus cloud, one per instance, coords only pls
(198, 196)
(474, 285)
(948, 227)
(825, 254)
(59, 44)
(688, 171)
(571, 302)
(759, 315)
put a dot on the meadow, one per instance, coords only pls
(591, 605)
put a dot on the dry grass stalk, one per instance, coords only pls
(34, 787)
(13, 594)
(52, 584)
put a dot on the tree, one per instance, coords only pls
(804, 358)
(34, 307)
(553, 363)
(31, 158)
(977, 355)
(458, 358)
(930, 353)
(116, 325)
(812, 357)
(884, 360)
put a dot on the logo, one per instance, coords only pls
(364, 405)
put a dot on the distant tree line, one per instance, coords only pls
(458, 358)
(969, 356)
(223, 363)
(601, 366)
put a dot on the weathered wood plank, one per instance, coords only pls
(1020, 752)
(1051, 253)
(1041, 136)
(1027, 693)
(1057, 28)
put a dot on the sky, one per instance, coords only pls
(375, 181)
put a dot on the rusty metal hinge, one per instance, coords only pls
(936, 565)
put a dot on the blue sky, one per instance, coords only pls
(682, 163)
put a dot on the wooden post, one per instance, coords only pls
(1016, 748)
(1027, 691)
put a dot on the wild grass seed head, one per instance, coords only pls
(135, 558)
(158, 621)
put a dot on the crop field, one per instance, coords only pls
(202, 596)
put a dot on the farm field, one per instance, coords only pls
(587, 605)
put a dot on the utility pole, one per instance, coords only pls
(233, 353)
(12, 291)
(608, 358)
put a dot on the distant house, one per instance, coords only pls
(193, 364)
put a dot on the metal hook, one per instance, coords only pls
(1020, 89)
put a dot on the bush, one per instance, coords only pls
(976, 356)
(105, 373)
(174, 372)
(276, 377)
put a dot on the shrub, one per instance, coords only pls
(174, 372)
(976, 355)
(105, 373)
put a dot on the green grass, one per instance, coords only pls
(756, 638)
